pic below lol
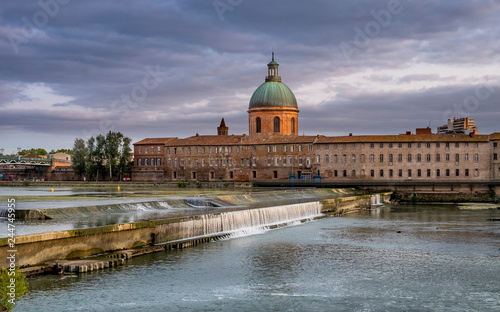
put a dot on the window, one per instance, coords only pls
(300, 148)
(391, 173)
(169, 162)
(419, 145)
(158, 150)
(310, 147)
(196, 163)
(457, 172)
(438, 157)
(258, 125)
(292, 148)
(335, 158)
(390, 146)
(381, 157)
(269, 161)
(447, 172)
(140, 161)
(168, 150)
(292, 121)
(203, 150)
(466, 157)
(400, 145)
(476, 157)
(145, 161)
(495, 157)
(419, 173)
(230, 161)
(254, 161)
(344, 158)
(300, 160)
(466, 144)
(400, 173)
(409, 173)
(175, 162)
(381, 145)
(276, 124)
(419, 157)
(372, 145)
(438, 145)
(438, 173)
(447, 145)
(284, 148)
(381, 172)
(428, 157)
(409, 157)
(335, 173)
(158, 161)
(318, 159)
(254, 174)
(284, 160)
(457, 157)
(447, 157)
(308, 161)
(353, 173)
(400, 157)
(211, 161)
(275, 174)
(344, 173)
(495, 144)
(212, 175)
(231, 175)
(289, 160)
(372, 158)
(390, 158)
(193, 175)
(146, 150)
(353, 158)
(274, 148)
(203, 162)
(238, 149)
(327, 158)
(466, 172)
(457, 145)
(428, 145)
(140, 149)
(372, 173)
(409, 145)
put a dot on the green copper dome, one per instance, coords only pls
(273, 93)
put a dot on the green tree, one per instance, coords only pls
(125, 166)
(36, 151)
(80, 157)
(9, 294)
(112, 150)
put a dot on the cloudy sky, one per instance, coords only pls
(159, 68)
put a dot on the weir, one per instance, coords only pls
(41, 248)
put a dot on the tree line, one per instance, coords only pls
(101, 156)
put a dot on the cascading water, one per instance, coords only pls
(375, 200)
(251, 221)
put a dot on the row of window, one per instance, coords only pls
(409, 157)
(409, 173)
(276, 125)
(149, 161)
(274, 148)
(399, 145)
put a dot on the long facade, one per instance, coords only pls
(274, 151)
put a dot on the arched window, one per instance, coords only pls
(276, 124)
(293, 125)
(258, 124)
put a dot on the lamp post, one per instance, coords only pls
(19, 155)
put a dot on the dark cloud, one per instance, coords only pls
(76, 71)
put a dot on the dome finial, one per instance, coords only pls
(273, 55)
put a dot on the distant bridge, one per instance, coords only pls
(26, 161)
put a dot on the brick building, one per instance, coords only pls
(274, 151)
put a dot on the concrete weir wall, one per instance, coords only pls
(40, 248)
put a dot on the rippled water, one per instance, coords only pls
(394, 259)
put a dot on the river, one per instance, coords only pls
(404, 258)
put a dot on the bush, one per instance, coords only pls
(13, 286)
(181, 184)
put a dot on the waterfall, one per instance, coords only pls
(375, 200)
(250, 221)
(199, 203)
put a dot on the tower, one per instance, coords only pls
(222, 129)
(273, 108)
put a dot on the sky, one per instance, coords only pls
(173, 68)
